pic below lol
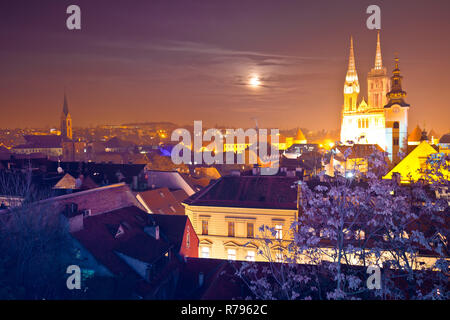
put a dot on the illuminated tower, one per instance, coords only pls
(378, 84)
(351, 86)
(396, 114)
(66, 122)
(351, 91)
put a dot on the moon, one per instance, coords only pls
(254, 81)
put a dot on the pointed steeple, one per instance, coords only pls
(351, 57)
(378, 59)
(65, 106)
(352, 75)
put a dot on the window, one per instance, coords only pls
(231, 229)
(205, 252)
(250, 255)
(204, 227)
(250, 230)
(188, 237)
(395, 141)
(360, 235)
(231, 254)
(279, 231)
(278, 257)
(396, 125)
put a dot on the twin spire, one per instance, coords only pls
(378, 60)
(351, 60)
(352, 75)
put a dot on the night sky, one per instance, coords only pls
(180, 61)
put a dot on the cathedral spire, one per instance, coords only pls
(352, 75)
(351, 85)
(351, 58)
(378, 59)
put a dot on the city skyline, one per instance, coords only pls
(223, 63)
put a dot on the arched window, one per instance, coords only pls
(396, 125)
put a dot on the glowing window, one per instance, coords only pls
(231, 254)
(250, 255)
(205, 252)
(279, 257)
(279, 231)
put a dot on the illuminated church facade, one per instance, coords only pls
(383, 118)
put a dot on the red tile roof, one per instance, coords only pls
(161, 201)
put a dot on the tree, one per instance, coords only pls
(346, 225)
(35, 244)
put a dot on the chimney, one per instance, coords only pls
(396, 177)
(76, 223)
(152, 231)
(201, 279)
(135, 182)
(235, 173)
(256, 171)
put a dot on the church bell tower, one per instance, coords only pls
(396, 114)
(66, 122)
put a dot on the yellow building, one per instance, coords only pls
(413, 165)
(228, 214)
(350, 161)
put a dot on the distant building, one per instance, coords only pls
(351, 160)
(48, 145)
(55, 146)
(444, 142)
(415, 136)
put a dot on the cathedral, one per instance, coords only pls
(383, 118)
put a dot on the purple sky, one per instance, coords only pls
(191, 60)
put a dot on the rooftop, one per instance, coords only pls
(271, 192)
